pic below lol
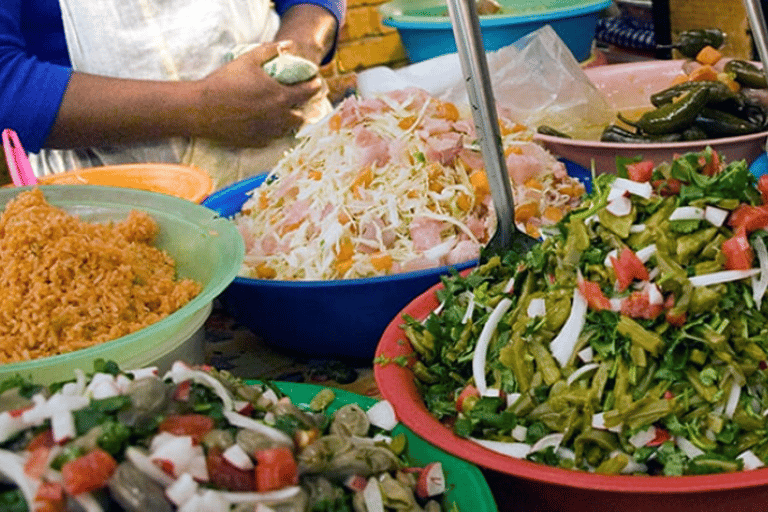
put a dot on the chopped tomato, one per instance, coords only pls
(737, 251)
(628, 267)
(194, 425)
(672, 318)
(468, 391)
(595, 297)
(640, 171)
(749, 217)
(52, 491)
(183, 391)
(661, 437)
(762, 186)
(668, 187)
(275, 468)
(711, 167)
(637, 305)
(224, 475)
(87, 473)
(44, 438)
(37, 462)
(50, 498)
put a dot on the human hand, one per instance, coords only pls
(243, 106)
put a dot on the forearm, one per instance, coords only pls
(312, 27)
(99, 110)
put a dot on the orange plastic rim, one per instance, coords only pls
(177, 180)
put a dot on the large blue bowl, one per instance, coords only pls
(426, 31)
(339, 319)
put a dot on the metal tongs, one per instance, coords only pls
(759, 33)
(474, 65)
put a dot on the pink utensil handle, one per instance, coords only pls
(18, 163)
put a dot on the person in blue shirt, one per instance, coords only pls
(51, 106)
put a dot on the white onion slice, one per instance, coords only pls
(642, 189)
(537, 307)
(545, 442)
(733, 399)
(724, 276)
(565, 342)
(581, 371)
(470, 309)
(750, 460)
(715, 216)
(687, 213)
(516, 450)
(238, 420)
(646, 253)
(480, 355)
(12, 466)
(688, 447)
(759, 285)
(643, 437)
(619, 206)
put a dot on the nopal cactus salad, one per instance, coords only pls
(632, 340)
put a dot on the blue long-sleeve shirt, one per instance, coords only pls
(35, 67)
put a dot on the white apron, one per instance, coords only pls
(164, 40)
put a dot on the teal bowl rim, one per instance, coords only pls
(415, 22)
(224, 230)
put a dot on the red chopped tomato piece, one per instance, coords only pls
(749, 217)
(467, 392)
(637, 305)
(594, 296)
(275, 468)
(711, 167)
(737, 251)
(44, 438)
(224, 475)
(662, 436)
(627, 268)
(87, 473)
(37, 462)
(194, 425)
(762, 186)
(50, 498)
(668, 187)
(640, 171)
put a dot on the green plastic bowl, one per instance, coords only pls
(466, 487)
(206, 248)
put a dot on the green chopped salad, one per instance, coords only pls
(632, 340)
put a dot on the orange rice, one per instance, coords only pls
(66, 284)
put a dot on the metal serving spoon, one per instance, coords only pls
(469, 41)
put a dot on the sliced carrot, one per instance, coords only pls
(512, 150)
(732, 84)
(315, 175)
(534, 183)
(362, 180)
(342, 267)
(464, 202)
(553, 213)
(343, 217)
(679, 79)
(334, 123)
(406, 122)
(263, 200)
(479, 181)
(525, 211)
(575, 190)
(709, 55)
(287, 228)
(447, 110)
(705, 72)
(381, 260)
(345, 251)
(264, 271)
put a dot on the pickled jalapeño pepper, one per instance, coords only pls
(674, 116)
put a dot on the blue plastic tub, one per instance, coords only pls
(339, 319)
(425, 28)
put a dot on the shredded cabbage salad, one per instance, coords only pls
(633, 341)
(392, 184)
